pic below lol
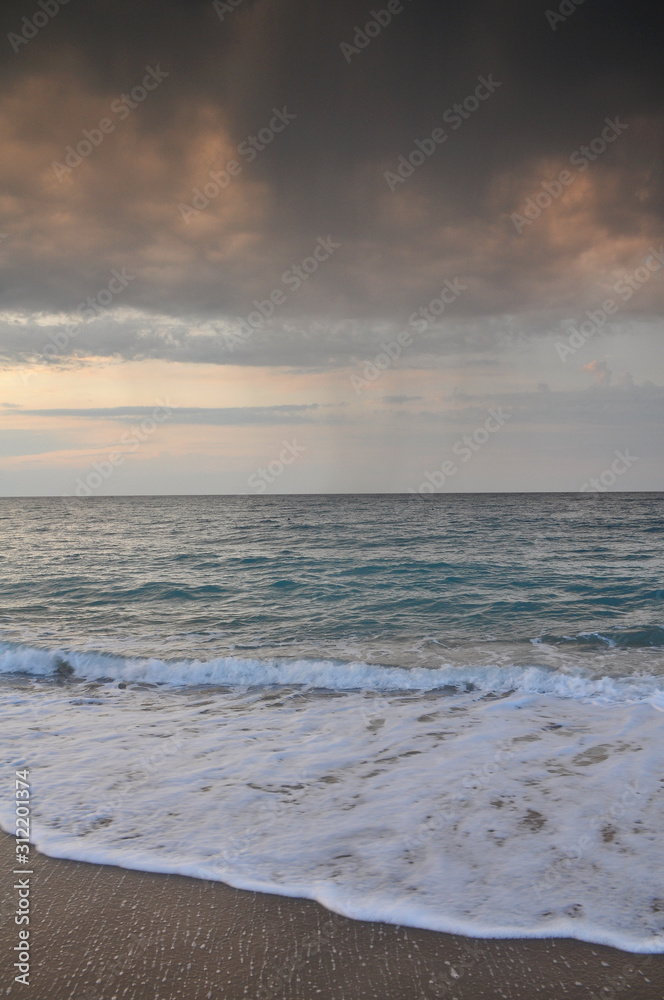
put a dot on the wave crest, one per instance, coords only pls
(231, 671)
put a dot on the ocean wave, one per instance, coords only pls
(327, 674)
(636, 637)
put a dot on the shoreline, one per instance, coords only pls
(98, 932)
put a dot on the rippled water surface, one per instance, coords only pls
(441, 711)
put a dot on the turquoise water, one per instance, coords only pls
(335, 576)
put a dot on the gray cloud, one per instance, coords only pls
(197, 274)
(324, 174)
(215, 416)
(602, 404)
(312, 343)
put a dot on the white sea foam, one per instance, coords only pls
(333, 675)
(525, 815)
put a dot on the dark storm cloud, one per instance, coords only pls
(324, 174)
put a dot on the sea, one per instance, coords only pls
(438, 711)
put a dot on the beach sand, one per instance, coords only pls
(102, 932)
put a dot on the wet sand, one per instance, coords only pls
(100, 933)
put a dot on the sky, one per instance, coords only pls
(285, 246)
